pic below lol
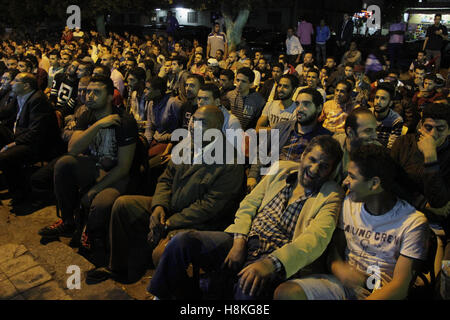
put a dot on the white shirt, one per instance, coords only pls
(117, 79)
(380, 240)
(293, 46)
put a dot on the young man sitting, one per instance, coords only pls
(378, 243)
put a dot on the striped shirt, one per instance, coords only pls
(389, 129)
(247, 109)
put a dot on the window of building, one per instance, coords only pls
(192, 17)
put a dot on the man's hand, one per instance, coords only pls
(251, 184)
(427, 145)
(349, 276)
(254, 277)
(157, 226)
(108, 121)
(88, 197)
(8, 146)
(236, 257)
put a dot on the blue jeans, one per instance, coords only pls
(206, 250)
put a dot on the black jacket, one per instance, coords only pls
(37, 126)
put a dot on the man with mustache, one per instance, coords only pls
(335, 111)
(96, 168)
(281, 228)
(295, 134)
(379, 260)
(389, 122)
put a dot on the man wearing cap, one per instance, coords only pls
(212, 72)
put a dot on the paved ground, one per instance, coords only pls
(31, 270)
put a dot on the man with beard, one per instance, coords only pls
(335, 111)
(360, 128)
(391, 236)
(312, 81)
(269, 89)
(136, 103)
(281, 228)
(282, 109)
(96, 168)
(193, 84)
(294, 135)
(188, 197)
(389, 123)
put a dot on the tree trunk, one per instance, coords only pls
(234, 28)
(100, 22)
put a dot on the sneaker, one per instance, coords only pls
(98, 275)
(58, 229)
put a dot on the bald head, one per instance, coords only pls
(24, 83)
(211, 116)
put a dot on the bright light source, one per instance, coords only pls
(183, 10)
(158, 9)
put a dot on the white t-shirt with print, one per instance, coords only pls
(379, 240)
(274, 112)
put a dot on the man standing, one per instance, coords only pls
(434, 39)
(293, 47)
(217, 40)
(305, 31)
(172, 24)
(344, 35)
(396, 39)
(281, 228)
(322, 36)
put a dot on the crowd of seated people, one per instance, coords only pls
(361, 182)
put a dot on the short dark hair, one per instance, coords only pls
(248, 73)
(158, 83)
(211, 87)
(54, 53)
(89, 65)
(329, 146)
(227, 73)
(138, 73)
(13, 57)
(430, 76)
(293, 80)
(352, 118)
(375, 161)
(438, 15)
(316, 96)
(437, 111)
(105, 81)
(31, 80)
(347, 84)
(389, 88)
(105, 70)
(278, 65)
(198, 77)
(180, 60)
(420, 67)
(27, 62)
(132, 59)
(315, 70)
(309, 65)
(12, 72)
